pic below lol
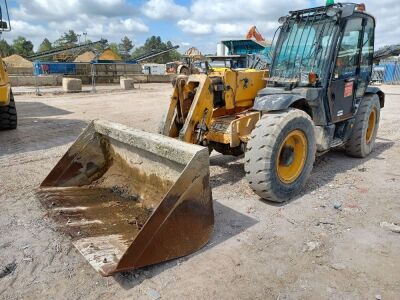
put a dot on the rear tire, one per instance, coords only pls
(8, 115)
(280, 154)
(362, 138)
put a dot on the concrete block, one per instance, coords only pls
(127, 84)
(48, 80)
(72, 85)
(160, 78)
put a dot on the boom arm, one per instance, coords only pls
(254, 33)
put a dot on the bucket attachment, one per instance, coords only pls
(129, 198)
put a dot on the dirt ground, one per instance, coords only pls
(302, 249)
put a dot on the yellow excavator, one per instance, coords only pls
(8, 111)
(130, 198)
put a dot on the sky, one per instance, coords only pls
(187, 23)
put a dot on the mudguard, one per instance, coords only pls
(277, 98)
(378, 91)
(275, 101)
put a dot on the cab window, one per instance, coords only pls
(347, 60)
(367, 52)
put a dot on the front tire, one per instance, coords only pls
(280, 154)
(362, 138)
(8, 115)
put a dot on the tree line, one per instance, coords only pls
(125, 48)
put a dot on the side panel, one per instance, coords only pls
(342, 98)
(248, 84)
(5, 86)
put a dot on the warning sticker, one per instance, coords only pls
(348, 89)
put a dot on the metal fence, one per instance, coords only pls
(387, 72)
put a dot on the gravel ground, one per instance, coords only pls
(302, 249)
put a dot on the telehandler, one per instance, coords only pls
(315, 98)
(130, 198)
(8, 111)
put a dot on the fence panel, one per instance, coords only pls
(387, 72)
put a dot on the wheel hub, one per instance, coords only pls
(287, 156)
(292, 156)
(371, 126)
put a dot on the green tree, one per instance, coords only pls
(69, 38)
(6, 49)
(174, 54)
(45, 46)
(22, 46)
(125, 47)
(155, 43)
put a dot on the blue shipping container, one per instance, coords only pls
(42, 68)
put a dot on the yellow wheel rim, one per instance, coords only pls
(371, 126)
(292, 156)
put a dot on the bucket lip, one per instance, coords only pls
(160, 145)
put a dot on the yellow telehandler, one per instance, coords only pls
(8, 111)
(130, 198)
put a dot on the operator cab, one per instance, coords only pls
(328, 48)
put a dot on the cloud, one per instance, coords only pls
(230, 19)
(21, 28)
(70, 9)
(193, 27)
(164, 9)
(231, 29)
(387, 14)
(242, 10)
(201, 23)
(110, 19)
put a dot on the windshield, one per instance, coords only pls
(303, 47)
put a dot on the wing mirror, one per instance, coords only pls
(3, 25)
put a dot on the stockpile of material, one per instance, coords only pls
(85, 57)
(16, 64)
(17, 61)
(108, 54)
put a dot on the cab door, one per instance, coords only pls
(366, 60)
(344, 82)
